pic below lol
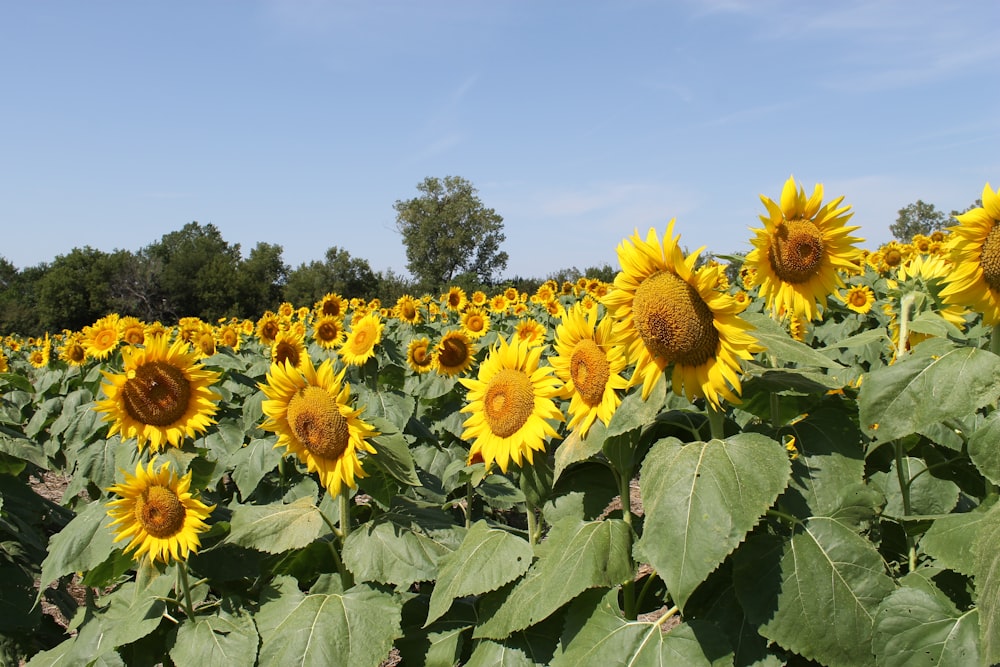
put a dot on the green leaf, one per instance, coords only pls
(532, 647)
(701, 499)
(390, 550)
(326, 627)
(600, 635)
(23, 449)
(276, 528)
(392, 406)
(928, 494)
(227, 637)
(252, 462)
(84, 543)
(784, 348)
(815, 594)
(575, 449)
(392, 454)
(950, 539)
(983, 449)
(932, 324)
(914, 627)
(634, 412)
(596, 553)
(938, 381)
(487, 559)
(987, 571)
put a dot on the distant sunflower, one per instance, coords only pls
(510, 403)
(332, 305)
(162, 397)
(102, 337)
(479, 299)
(72, 350)
(286, 310)
(859, 298)
(288, 347)
(475, 322)
(408, 309)
(230, 336)
(673, 316)
(268, 327)
(158, 514)
(454, 353)
(531, 331)
(365, 334)
(203, 340)
(42, 354)
(498, 304)
(188, 328)
(309, 409)
(4, 364)
(974, 247)
(454, 299)
(589, 359)
(328, 331)
(133, 330)
(420, 355)
(801, 249)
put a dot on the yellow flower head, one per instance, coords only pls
(801, 250)
(454, 353)
(102, 338)
(365, 334)
(158, 514)
(859, 298)
(974, 247)
(420, 355)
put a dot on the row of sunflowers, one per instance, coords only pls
(716, 451)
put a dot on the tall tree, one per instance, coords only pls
(917, 218)
(19, 299)
(261, 280)
(340, 273)
(447, 232)
(74, 291)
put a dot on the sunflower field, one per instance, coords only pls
(793, 458)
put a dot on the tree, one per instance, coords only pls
(447, 232)
(261, 280)
(19, 299)
(917, 218)
(74, 292)
(340, 273)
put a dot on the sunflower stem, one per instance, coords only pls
(903, 476)
(344, 501)
(182, 578)
(717, 422)
(469, 497)
(905, 303)
(628, 588)
(532, 526)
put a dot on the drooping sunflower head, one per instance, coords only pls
(162, 397)
(511, 405)
(801, 249)
(974, 249)
(454, 353)
(328, 331)
(420, 355)
(158, 514)
(672, 314)
(475, 322)
(309, 409)
(589, 359)
(102, 337)
(365, 334)
(408, 309)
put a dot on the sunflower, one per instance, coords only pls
(4, 364)
(286, 310)
(454, 299)
(268, 327)
(498, 304)
(510, 404)
(479, 298)
(475, 322)
(162, 397)
(328, 331)
(289, 347)
(40, 356)
(158, 514)
(331, 304)
(673, 316)
(189, 328)
(72, 350)
(101, 338)
(366, 333)
(204, 341)
(531, 331)
(974, 247)
(133, 330)
(798, 253)
(229, 335)
(454, 353)
(859, 298)
(420, 355)
(408, 309)
(589, 359)
(309, 409)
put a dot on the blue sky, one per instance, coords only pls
(300, 122)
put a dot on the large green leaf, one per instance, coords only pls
(575, 448)
(227, 637)
(326, 627)
(391, 550)
(487, 559)
(783, 347)
(634, 412)
(987, 571)
(277, 527)
(936, 382)
(575, 556)
(950, 539)
(84, 543)
(701, 499)
(252, 462)
(983, 449)
(598, 634)
(392, 453)
(928, 494)
(914, 627)
(816, 593)
(532, 647)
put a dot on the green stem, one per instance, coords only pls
(663, 619)
(344, 501)
(903, 476)
(904, 323)
(628, 588)
(182, 578)
(784, 516)
(716, 423)
(645, 589)
(469, 497)
(532, 526)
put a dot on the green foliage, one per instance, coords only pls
(917, 218)
(339, 273)
(448, 232)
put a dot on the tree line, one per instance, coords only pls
(450, 239)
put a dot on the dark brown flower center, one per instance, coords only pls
(508, 402)
(990, 260)
(796, 250)
(285, 351)
(673, 320)
(453, 352)
(315, 419)
(156, 393)
(160, 512)
(590, 371)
